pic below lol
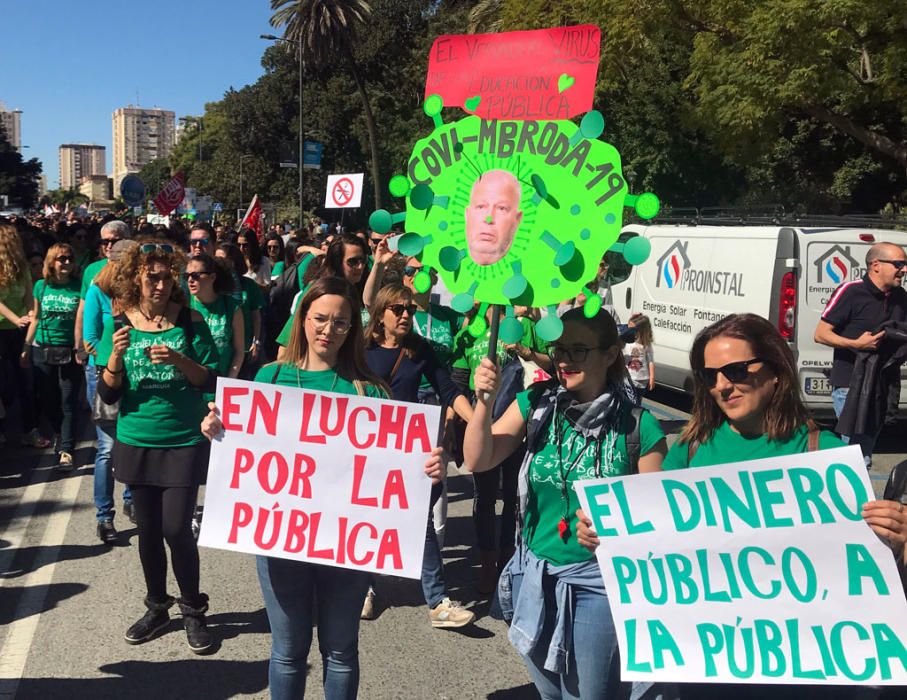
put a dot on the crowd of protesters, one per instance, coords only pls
(134, 322)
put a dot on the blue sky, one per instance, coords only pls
(68, 65)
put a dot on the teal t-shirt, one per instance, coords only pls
(439, 325)
(57, 312)
(469, 350)
(324, 380)
(90, 273)
(277, 269)
(572, 458)
(159, 407)
(219, 319)
(727, 445)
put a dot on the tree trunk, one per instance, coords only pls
(876, 141)
(369, 123)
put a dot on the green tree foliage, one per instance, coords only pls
(155, 175)
(18, 178)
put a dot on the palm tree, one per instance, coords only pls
(485, 16)
(322, 29)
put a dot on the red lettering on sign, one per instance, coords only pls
(242, 463)
(393, 422)
(315, 519)
(308, 404)
(267, 411)
(389, 547)
(276, 518)
(418, 432)
(296, 527)
(394, 488)
(353, 433)
(358, 471)
(281, 472)
(337, 428)
(351, 544)
(303, 469)
(230, 407)
(242, 516)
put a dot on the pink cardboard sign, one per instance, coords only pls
(540, 74)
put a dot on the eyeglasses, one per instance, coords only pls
(398, 309)
(735, 372)
(194, 276)
(340, 326)
(355, 262)
(64, 258)
(199, 242)
(155, 278)
(152, 247)
(109, 241)
(898, 264)
(411, 270)
(560, 353)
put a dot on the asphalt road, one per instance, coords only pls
(66, 600)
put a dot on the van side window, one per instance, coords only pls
(618, 268)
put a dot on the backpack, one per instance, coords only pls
(896, 488)
(281, 298)
(534, 434)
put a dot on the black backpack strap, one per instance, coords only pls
(896, 487)
(633, 442)
(538, 417)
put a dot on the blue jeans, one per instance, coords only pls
(292, 591)
(103, 467)
(433, 587)
(593, 670)
(866, 442)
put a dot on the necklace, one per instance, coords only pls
(160, 317)
(299, 379)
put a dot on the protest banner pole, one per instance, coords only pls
(493, 336)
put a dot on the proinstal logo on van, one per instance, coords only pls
(836, 265)
(672, 264)
(677, 272)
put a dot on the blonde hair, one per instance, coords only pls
(57, 249)
(13, 265)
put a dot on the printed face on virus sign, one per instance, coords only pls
(493, 216)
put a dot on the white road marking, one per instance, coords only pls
(21, 632)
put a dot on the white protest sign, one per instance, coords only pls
(344, 191)
(752, 572)
(320, 477)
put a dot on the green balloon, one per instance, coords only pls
(510, 330)
(380, 221)
(450, 258)
(549, 328)
(592, 306)
(647, 205)
(422, 281)
(478, 326)
(399, 186)
(515, 286)
(462, 302)
(433, 105)
(592, 125)
(421, 196)
(565, 253)
(637, 250)
(539, 184)
(410, 244)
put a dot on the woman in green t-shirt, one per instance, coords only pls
(275, 250)
(585, 423)
(747, 405)
(209, 285)
(53, 353)
(157, 356)
(326, 352)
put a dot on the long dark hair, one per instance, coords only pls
(785, 413)
(235, 257)
(253, 252)
(331, 263)
(223, 280)
(351, 362)
(276, 237)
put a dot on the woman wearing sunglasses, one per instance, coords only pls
(576, 426)
(403, 359)
(275, 249)
(326, 352)
(747, 405)
(210, 285)
(50, 345)
(157, 355)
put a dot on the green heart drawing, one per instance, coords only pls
(472, 104)
(565, 82)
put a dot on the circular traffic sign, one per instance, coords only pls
(132, 190)
(343, 191)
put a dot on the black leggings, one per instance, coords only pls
(165, 513)
(486, 496)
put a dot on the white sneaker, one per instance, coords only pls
(449, 614)
(369, 609)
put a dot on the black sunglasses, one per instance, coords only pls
(199, 242)
(735, 372)
(194, 276)
(411, 270)
(109, 241)
(355, 262)
(64, 258)
(898, 264)
(152, 247)
(559, 353)
(398, 309)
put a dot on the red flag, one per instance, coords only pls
(253, 219)
(172, 194)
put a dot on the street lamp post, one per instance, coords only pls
(272, 37)
(241, 159)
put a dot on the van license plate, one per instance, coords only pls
(818, 386)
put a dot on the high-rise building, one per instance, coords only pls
(140, 136)
(12, 126)
(79, 160)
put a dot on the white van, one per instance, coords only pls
(696, 275)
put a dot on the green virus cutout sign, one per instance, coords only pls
(514, 212)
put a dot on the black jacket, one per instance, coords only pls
(873, 375)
